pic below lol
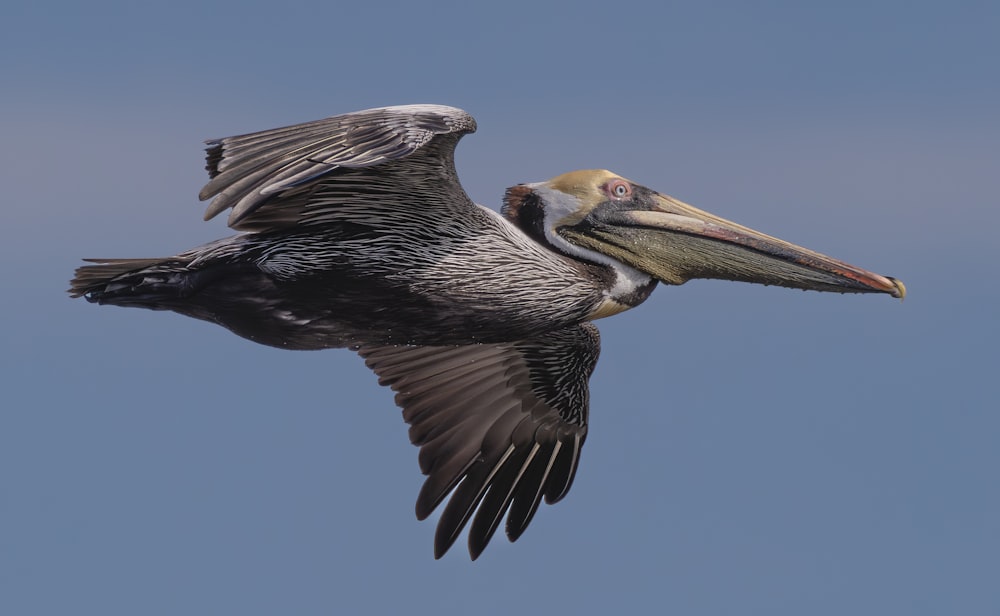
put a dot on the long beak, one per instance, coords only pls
(676, 242)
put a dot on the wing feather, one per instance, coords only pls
(530, 488)
(263, 176)
(499, 426)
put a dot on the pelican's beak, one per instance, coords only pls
(676, 242)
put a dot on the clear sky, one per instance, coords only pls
(752, 450)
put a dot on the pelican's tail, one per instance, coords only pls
(237, 295)
(147, 283)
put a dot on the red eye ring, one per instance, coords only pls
(619, 189)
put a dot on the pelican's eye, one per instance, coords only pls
(619, 189)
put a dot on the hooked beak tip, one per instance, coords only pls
(900, 292)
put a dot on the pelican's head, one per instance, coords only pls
(598, 216)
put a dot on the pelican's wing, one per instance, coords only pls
(270, 179)
(499, 426)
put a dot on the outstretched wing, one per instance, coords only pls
(499, 426)
(269, 178)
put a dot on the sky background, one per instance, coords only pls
(752, 450)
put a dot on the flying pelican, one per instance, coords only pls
(357, 234)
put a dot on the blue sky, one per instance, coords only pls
(752, 450)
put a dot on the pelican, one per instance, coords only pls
(357, 234)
